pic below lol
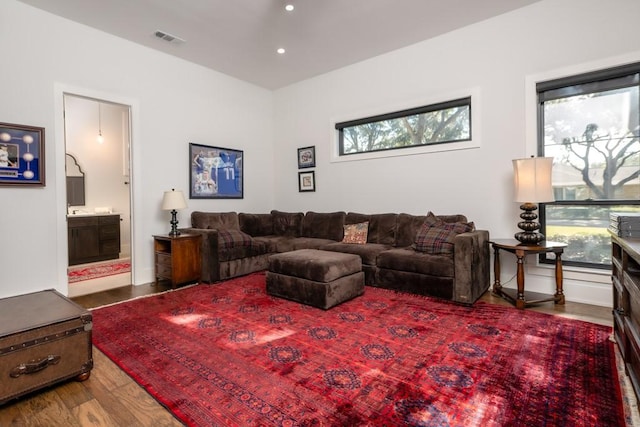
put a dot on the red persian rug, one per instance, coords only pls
(230, 355)
(99, 269)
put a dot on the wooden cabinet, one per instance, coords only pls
(93, 238)
(625, 260)
(177, 258)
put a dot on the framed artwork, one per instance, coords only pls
(306, 157)
(306, 181)
(215, 172)
(21, 155)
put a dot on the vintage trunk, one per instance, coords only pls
(44, 338)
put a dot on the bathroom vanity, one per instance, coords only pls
(93, 237)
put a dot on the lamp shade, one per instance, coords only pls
(173, 200)
(533, 179)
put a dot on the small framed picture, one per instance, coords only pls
(21, 155)
(306, 157)
(306, 181)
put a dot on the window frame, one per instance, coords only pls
(339, 127)
(604, 79)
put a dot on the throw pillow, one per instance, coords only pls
(432, 219)
(438, 238)
(356, 233)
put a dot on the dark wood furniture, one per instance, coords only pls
(45, 338)
(93, 238)
(521, 250)
(177, 258)
(625, 262)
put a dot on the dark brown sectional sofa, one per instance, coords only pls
(235, 244)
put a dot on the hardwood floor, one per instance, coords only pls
(111, 398)
(108, 398)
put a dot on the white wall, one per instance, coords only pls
(500, 59)
(174, 103)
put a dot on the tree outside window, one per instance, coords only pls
(590, 125)
(432, 124)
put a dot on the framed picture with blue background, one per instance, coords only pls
(21, 155)
(215, 172)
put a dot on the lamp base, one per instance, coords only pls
(529, 235)
(529, 238)
(174, 224)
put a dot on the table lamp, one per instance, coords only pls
(533, 185)
(172, 201)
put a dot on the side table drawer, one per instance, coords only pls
(163, 259)
(164, 271)
(163, 265)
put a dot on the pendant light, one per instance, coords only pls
(100, 137)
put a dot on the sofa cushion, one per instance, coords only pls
(307, 243)
(287, 223)
(382, 227)
(287, 243)
(323, 225)
(356, 233)
(407, 259)
(407, 227)
(215, 220)
(368, 253)
(256, 224)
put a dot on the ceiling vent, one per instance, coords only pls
(168, 37)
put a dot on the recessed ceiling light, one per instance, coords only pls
(281, 51)
(288, 7)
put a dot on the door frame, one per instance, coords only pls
(60, 90)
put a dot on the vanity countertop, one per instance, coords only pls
(90, 214)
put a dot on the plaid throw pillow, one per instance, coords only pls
(356, 233)
(229, 239)
(437, 238)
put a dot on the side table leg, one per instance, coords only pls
(520, 301)
(497, 286)
(559, 296)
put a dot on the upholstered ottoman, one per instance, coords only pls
(321, 279)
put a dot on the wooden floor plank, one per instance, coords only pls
(47, 409)
(107, 372)
(13, 414)
(92, 414)
(149, 413)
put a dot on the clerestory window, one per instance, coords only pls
(440, 123)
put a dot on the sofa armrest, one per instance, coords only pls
(471, 266)
(209, 252)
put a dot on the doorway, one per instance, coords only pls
(97, 135)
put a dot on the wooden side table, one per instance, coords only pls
(177, 258)
(518, 297)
